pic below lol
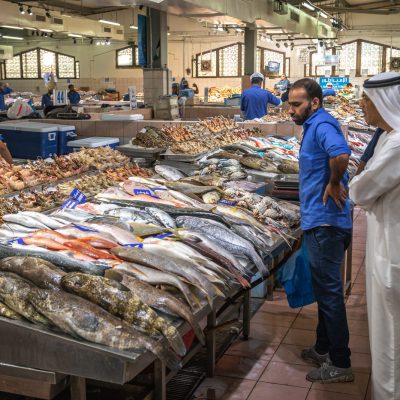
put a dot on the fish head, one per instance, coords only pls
(7, 284)
(75, 281)
(38, 296)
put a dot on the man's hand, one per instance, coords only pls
(337, 192)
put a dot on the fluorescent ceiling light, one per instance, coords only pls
(46, 30)
(323, 15)
(29, 28)
(133, 27)
(104, 21)
(13, 37)
(74, 35)
(157, 1)
(309, 6)
(13, 27)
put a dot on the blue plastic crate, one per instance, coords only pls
(66, 133)
(29, 140)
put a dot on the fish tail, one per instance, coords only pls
(259, 263)
(218, 292)
(174, 339)
(198, 331)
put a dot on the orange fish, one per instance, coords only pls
(89, 250)
(45, 242)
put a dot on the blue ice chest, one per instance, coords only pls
(66, 133)
(31, 140)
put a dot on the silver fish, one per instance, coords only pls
(155, 277)
(161, 216)
(227, 239)
(24, 220)
(169, 173)
(50, 222)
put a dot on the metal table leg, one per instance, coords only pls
(211, 343)
(78, 388)
(271, 281)
(246, 314)
(160, 381)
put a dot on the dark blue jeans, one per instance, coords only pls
(326, 246)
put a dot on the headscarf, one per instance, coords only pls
(384, 91)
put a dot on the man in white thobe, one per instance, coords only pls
(377, 190)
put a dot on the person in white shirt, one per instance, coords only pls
(377, 190)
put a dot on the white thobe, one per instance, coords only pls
(377, 190)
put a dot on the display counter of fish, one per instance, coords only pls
(18, 177)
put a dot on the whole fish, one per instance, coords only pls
(14, 292)
(71, 215)
(63, 261)
(155, 277)
(260, 241)
(7, 312)
(85, 320)
(18, 228)
(169, 173)
(80, 232)
(6, 234)
(133, 215)
(188, 188)
(227, 239)
(158, 299)
(161, 216)
(120, 235)
(95, 209)
(144, 230)
(122, 303)
(167, 264)
(24, 220)
(43, 218)
(41, 273)
(212, 250)
(190, 201)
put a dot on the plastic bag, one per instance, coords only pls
(295, 277)
(19, 109)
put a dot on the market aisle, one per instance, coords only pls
(269, 367)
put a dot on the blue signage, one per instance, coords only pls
(142, 39)
(337, 82)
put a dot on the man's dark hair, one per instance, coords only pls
(256, 80)
(311, 87)
(349, 84)
(70, 86)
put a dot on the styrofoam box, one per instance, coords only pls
(121, 117)
(94, 142)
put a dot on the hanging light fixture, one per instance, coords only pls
(30, 10)
(21, 9)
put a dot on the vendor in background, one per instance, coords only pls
(282, 85)
(254, 101)
(47, 100)
(348, 87)
(185, 85)
(329, 91)
(73, 96)
(285, 95)
(4, 89)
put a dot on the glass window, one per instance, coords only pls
(13, 68)
(347, 59)
(47, 61)
(371, 58)
(228, 61)
(317, 67)
(125, 57)
(270, 55)
(66, 66)
(389, 54)
(30, 67)
(77, 70)
(207, 64)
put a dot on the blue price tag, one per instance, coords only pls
(142, 191)
(157, 188)
(78, 196)
(164, 235)
(70, 203)
(227, 203)
(138, 245)
(16, 241)
(84, 228)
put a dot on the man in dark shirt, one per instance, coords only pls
(46, 99)
(73, 96)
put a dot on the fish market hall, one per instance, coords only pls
(187, 212)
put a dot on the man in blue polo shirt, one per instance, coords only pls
(329, 91)
(4, 89)
(73, 96)
(254, 101)
(326, 222)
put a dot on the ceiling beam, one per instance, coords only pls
(361, 10)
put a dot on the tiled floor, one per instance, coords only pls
(268, 366)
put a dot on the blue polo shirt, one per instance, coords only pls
(46, 100)
(328, 92)
(74, 97)
(254, 102)
(322, 139)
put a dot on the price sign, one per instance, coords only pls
(60, 97)
(132, 97)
